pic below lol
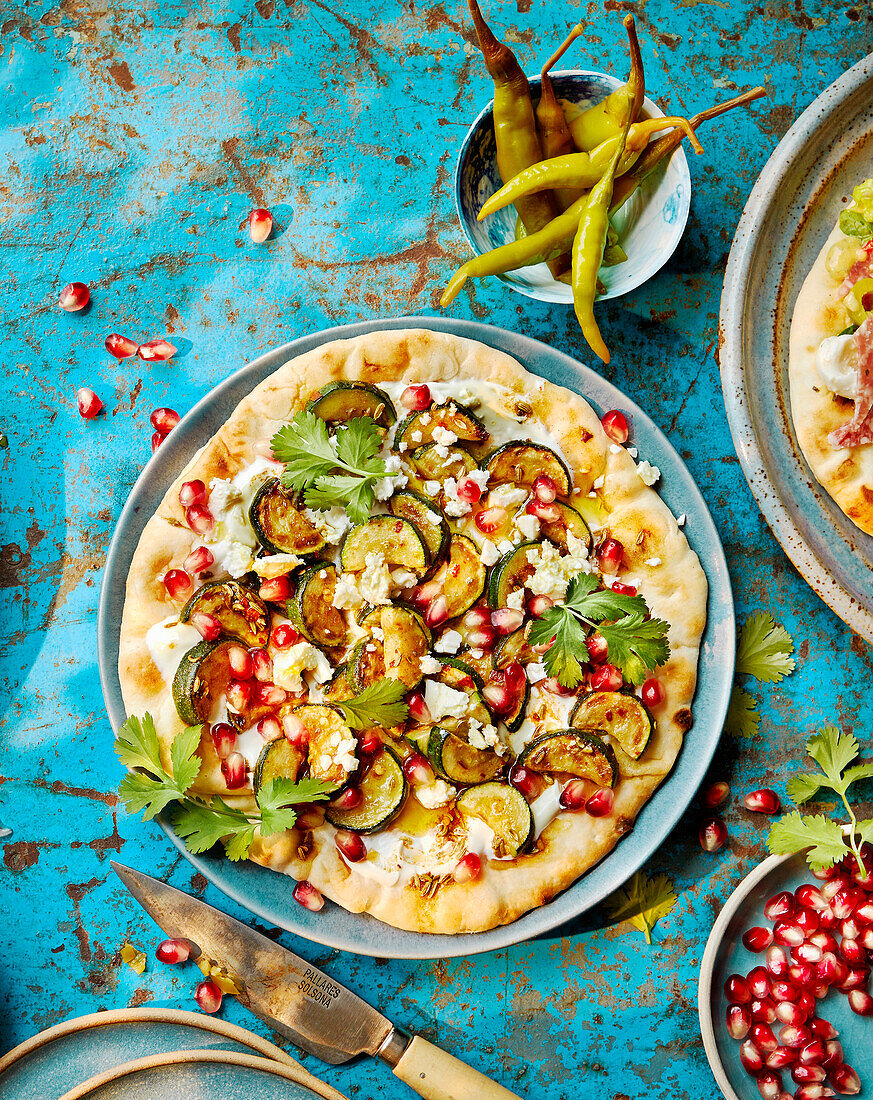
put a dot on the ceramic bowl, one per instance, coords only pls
(650, 224)
(725, 955)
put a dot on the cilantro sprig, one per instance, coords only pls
(202, 821)
(379, 704)
(636, 644)
(826, 839)
(331, 470)
(764, 651)
(642, 901)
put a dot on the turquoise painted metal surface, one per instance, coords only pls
(135, 139)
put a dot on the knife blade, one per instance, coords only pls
(301, 1002)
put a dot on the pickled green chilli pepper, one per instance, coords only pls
(555, 135)
(606, 119)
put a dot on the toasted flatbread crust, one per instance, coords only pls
(847, 474)
(676, 591)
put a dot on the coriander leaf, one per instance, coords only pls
(141, 792)
(801, 788)
(636, 645)
(379, 704)
(858, 771)
(764, 649)
(203, 824)
(864, 829)
(183, 756)
(833, 751)
(305, 448)
(277, 798)
(643, 901)
(359, 443)
(561, 659)
(584, 598)
(793, 833)
(238, 845)
(355, 493)
(137, 745)
(742, 720)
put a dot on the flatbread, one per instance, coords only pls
(675, 589)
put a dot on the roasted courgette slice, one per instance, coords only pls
(569, 520)
(338, 402)
(311, 607)
(513, 715)
(506, 813)
(458, 674)
(522, 463)
(462, 577)
(514, 648)
(279, 522)
(479, 661)
(395, 538)
(426, 517)
(338, 687)
(201, 680)
(622, 716)
(329, 739)
(418, 428)
(509, 574)
(405, 640)
(241, 612)
(572, 752)
(384, 789)
(432, 466)
(366, 664)
(278, 760)
(458, 762)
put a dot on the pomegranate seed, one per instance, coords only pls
(223, 739)
(275, 589)
(177, 583)
(736, 990)
(296, 732)
(811, 1092)
(191, 492)
(788, 933)
(545, 513)
(785, 991)
(74, 296)
(850, 928)
(738, 1021)
(506, 620)
(794, 1037)
(857, 978)
(777, 961)
(350, 846)
(350, 799)
(308, 896)
(606, 678)
(833, 1054)
(240, 661)
(615, 425)
(483, 638)
(537, 606)
(835, 884)
(198, 560)
(469, 868)
(598, 650)
(713, 834)
(845, 1080)
(810, 897)
(260, 225)
(416, 769)
(262, 663)
(853, 952)
(497, 697)
(780, 1058)
(270, 729)
(469, 490)
(806, 1003)
(757, 939)
(780, 905)
(89, 403)
(807, 952)
(750, 1057)
(763, 1011)
(234, 770)
(769, 1085)
(239, 696)
(808, 1075)
(822, 1029)
(572, 797)
(164, 420)
(831, 970)
(490, 519)
(159, 350)
(763, 1038)
(609, 556)
(866, 939)
(437, 612)
(554, 686)
(545, 489)
(208, 996)
(601, 803)
(523, 779)
(763, 801)
(652, 692)
(284, 636)
(715, 795)
(121, 347)
(477, 617)
(173, 952)
(759, 982)
(418, 711)
(370, 744)
(789, 1013)
(860, 1002)
(624, 589)
(845, 902)
(808, 919)
(415, 398)
(813, 1054)
(157, 440)
(200, 519)
(269, 695)
(206, 625)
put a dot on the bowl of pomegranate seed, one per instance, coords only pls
(784, 1000)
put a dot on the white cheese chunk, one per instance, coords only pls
(529, 526)
(375, 582)
(331, 524)
(435, 794)
(289, 664)
(430, 666)
(346, 596)
(449, 642)
(504, 496)
(168, 641)
(275, 565)
(836, 361)
(490, 555)
(648, 473)
(445, 702)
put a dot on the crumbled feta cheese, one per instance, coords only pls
(449, 642)
(432, 488)
(536, 671)
(435, 794)
(515, 600)
(481, 736)
(430, 666)
(598, 482)
(235, 558)
(649, 474)
(425, 419)
(480, 477)
(288, 664)
(633, 452)
(370, 647)
(223, 495)
(331, 524)
(415, 436)
(276, 565)
(615, 448)
(402, 578)
(504, 546)
(453, 505)
(442, 451)
(529, 526)
(375, 582)
(653, 561)
(378, 633)
(445, 702)
(346, 596)
(552, 571)
(394, 479)
(467, 397)
(490, 555)
(504, 496)
(477, 654)
(434, 517)
(322, 574)
(403, 447)
(682, 520)
(444, 436)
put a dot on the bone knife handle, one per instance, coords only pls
(435, 1075)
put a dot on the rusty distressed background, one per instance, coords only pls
(135, 140)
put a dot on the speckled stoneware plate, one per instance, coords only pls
(790, 213)
(267, 894)
(725, 954)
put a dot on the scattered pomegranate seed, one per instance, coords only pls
(276, 589)
(738, 1021)
(545, 489)
(191, 492)
(788, 1012)
(269, 695)
(284, 636)
(713, 834)
(506, 620)
(554, 686)
(537, 606)
(606, 678)
(809, 920)
(260, 225)
(757, 939)
(418, 711)
(239, 695)
(788, 932)
(597, 647)
(370, 744)
(173, 952)
(821, 1029)
(423, 594)
(208, 996)
(813, 1054)
(860, 1002)
(652, 692)
(223, 739)
(763, 1038)
(715, 795)
(206, 625)
(350, 846)
(157, 440)
(483, 638)
(74, 296)
(350, 799)
(490, 519)
(807, 1075)
(750, 1057)
(833, 1054)
(780, 905)
(545, 513)
(296, 732)
(763, 801)
(417, 397)
(794, 1037)
(159, 350)
(417, 770)
(308, 896)
(615, 425)
(759, 982)
(270, 729)
(476, 617)
(469, 868)
(89, 403)
(784, 991)
(469, 490)
(177, 583)
(573, 797)
(437, 612)
(845, 1080)
(121, 347)
(601, 803)
(853, 952)
(200, 559)
(234, 770)
(736, 990)
(780, 1058)
(763, 1010)
(262, 663)
(524, 780)
(164, 420)
(200, 519)
(811, 1092)
(240, 661)
(624, 589)
(810, 897)
(610, 556)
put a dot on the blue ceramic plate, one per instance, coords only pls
(650, 224)
(267, 894)
(790, 213)
(726, 955)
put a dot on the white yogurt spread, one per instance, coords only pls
(837, 364)
(168, 641)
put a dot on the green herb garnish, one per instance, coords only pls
(643, 901)
(636, 644)
(379, 704)
(331, 470)
(834, 752)
(764, 651)
(202, 821)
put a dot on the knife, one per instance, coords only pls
(301, 1002)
